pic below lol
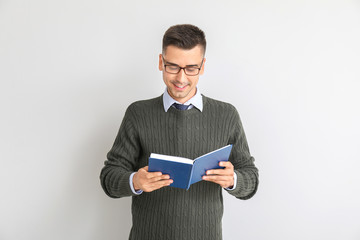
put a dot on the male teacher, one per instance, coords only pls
(180, 122)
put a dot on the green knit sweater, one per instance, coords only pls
(173, 213)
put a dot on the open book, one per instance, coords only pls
(184, 171)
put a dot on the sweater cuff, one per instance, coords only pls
(244, 188)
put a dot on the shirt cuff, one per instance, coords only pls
(132, 185)
(235, 181)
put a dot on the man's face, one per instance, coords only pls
(180, 86)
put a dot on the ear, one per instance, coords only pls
(161, 65)
(203, 67)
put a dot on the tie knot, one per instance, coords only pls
(181, 106)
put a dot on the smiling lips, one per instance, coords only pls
(179, 87)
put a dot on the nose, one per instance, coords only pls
(182, 76)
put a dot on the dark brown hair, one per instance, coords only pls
(184, 36)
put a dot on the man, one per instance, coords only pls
(181, 122)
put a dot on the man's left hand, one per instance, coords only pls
(223, 177)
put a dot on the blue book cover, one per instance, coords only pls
(184, 171)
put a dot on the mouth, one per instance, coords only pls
(180, 87)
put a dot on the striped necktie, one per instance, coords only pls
(181, 106)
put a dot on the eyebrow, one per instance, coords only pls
(174, 64)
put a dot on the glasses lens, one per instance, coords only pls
(192, 71)
(172, 69)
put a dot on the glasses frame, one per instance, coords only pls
(182, 68)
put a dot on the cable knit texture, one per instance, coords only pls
(173, 213)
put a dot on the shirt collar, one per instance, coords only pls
(195, 101)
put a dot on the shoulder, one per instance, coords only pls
(217, 105)
(144, 106)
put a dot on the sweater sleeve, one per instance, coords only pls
(244, 167)
(121, 159)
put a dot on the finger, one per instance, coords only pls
(159, 178)
(213, 178)
(164, 183)
(226, 164)
(220, 172)
(157, 185)
(150, 175)
(165, 176)
(146, 170)
(224, 184)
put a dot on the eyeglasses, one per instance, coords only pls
(189, 70)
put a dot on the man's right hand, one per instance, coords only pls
(150, 181)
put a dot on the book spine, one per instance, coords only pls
(190, 178)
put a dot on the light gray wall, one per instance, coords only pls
(69, 69)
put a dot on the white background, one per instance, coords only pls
(69, 69)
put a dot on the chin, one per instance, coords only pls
(178, 96)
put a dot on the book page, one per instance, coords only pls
(171, 158)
